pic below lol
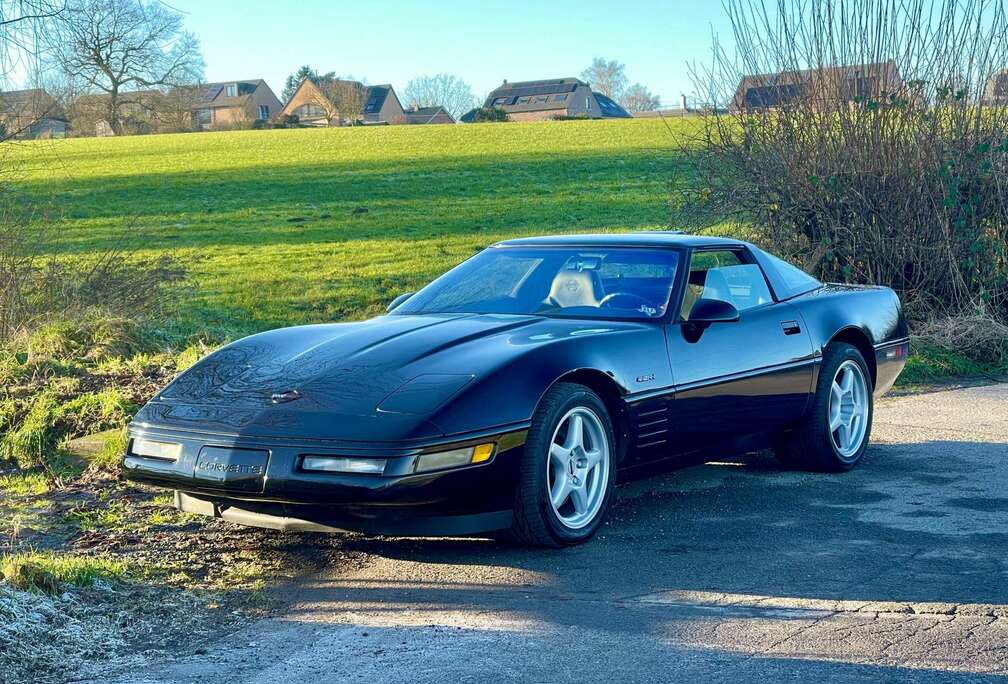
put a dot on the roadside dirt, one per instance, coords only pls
(189, 579)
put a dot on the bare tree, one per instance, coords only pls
(341, 101)
(441, 90)
(637, 98)
(608, 78)
(21, 23)
(866, 139)
(114, 46)
(174, 110)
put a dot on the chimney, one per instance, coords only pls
(505, 82)
(682, 102)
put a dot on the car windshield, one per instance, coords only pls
(554, 281)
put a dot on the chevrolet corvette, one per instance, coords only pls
(507, 396)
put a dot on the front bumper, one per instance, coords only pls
(402, 522)
(465, 500)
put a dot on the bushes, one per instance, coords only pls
(867, 174)
(75, 336)
(37, 288)
(69, 380)
(490, 115)
(31, 441)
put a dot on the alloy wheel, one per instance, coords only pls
(848, 409)
(578, 467)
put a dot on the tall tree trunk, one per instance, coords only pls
(113, 112)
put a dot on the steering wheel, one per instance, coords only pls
(636, 301)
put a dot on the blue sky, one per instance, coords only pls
(390, 41)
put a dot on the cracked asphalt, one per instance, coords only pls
(733, 570)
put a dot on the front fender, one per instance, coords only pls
(507, 394)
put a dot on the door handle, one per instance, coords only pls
(790, 327)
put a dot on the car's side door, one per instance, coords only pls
(732, 378)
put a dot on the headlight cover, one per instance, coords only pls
(148, 448)
(343, 464)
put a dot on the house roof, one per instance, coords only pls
(776, 89)
(534, 96)
(216, 95)
(426, 114)
(374, 98)
(611, 108)
(548, 95)
(30, 104)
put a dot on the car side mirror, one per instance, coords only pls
(707, 311)
(398, 300)
(704, 313)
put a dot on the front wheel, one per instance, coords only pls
(834, 436)
(566, 479)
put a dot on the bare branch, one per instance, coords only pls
(440, 90)
(119, 45)
(866, 138)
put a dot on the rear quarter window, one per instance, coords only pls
(789, 280)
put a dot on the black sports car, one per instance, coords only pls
(504, 396)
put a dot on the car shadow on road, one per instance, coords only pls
(885, 531)
(919, 529)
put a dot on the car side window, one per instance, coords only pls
(722, 274)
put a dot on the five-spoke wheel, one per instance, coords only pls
(848, 408)
(566, 477)
(578, 467)
(834, 434)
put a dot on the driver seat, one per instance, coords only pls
(576, 288)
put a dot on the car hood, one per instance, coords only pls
(340, 381)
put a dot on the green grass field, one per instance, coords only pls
(292, 226)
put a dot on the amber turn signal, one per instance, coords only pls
(482, 453)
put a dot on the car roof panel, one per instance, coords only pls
(639, 239)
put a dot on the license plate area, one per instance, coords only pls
(235, 469)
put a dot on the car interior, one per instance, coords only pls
(588, 281)
(722, 275)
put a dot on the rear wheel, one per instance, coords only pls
(566, 479)
(834, 436)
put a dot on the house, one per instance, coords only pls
(834, 85)
(429, 115)
(28, 114)
(551, 99)
(378, 104)
(233, 103)
(996, 89)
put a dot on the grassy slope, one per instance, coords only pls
(231, 205)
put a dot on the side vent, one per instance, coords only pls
(652, 421)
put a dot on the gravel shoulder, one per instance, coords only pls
(726, 571)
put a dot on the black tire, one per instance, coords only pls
(810, 445)
(536, 523)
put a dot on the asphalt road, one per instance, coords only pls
(730, 571)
